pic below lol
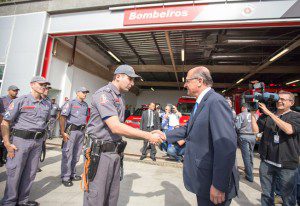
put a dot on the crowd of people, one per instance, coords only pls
(155, 119)
(206, 145)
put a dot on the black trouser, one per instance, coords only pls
(148, 146)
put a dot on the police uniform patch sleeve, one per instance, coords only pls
(66, 109)
(105, 105)
(12, 111)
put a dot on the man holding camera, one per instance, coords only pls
(279, 149)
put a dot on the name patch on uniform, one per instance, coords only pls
(103, 99)
(76, 107)
(28, 107)
(117, 100)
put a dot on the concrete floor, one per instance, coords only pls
(145, 182)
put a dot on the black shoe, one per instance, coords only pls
(153, 158)
(142, 157)
(29, 203)
(39, 170)
(67, 183)
(76, 178)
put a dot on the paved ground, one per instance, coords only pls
(145, 183)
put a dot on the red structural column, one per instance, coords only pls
(47, 56)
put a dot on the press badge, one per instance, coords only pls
(276, 138)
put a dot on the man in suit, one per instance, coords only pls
(150, 121)
(209, 163)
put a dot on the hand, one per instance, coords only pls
(264, 109)
(216, 196)
(11, 150)
(161, 134)
(65, 137)
(155, 138)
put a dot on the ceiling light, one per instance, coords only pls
(293, 82)
(279, 54)
(224, 91)
(142, 79)
(114, 56)
(240, 80)
(182, 55)
(182, 79)
(152, 89)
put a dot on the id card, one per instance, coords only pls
(276, 138)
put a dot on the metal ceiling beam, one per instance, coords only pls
(157, 47)
(102, 47)
(293, 45)
(132, 48)
(174, 84)
(215, 69)
(172, 56)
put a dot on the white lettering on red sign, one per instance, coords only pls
(161, 15)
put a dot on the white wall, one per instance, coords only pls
(21, 48)
(162, 96)
(68, 79)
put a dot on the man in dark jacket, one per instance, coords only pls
(150, 121)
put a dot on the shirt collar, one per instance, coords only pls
(114, 88)
(33, 100)
(200, 97)
(78, 101)
(8, 97)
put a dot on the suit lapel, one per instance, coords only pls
(199, 109)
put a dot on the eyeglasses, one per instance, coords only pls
(284, 100)
(190, 79)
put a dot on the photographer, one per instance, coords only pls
(170, 121)
(279, 149)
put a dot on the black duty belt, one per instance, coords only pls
(74, 127)
(105, 146)
(245, 133)
(25, 134)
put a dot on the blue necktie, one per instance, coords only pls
(195, 108)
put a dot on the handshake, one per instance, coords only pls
(157, 137)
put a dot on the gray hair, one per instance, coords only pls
(292, 96)
(203, 73)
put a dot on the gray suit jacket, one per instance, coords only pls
(211, 144)
(144, 120)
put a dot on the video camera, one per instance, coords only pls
(256, 94)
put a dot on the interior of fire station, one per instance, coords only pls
(235, 57)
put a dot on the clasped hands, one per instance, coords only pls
(157, 137)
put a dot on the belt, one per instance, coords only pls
(25, 134)
(245, 133)
(107, 146)
(74, 127)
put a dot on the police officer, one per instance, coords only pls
(12, 93)
(55, 114)
(72, 125)
(28, 115)
(246, 140)
(106, 128)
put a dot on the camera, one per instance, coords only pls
(256, 94)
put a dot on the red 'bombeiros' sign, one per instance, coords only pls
(159, 15)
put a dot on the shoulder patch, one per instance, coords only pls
(103, 99)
